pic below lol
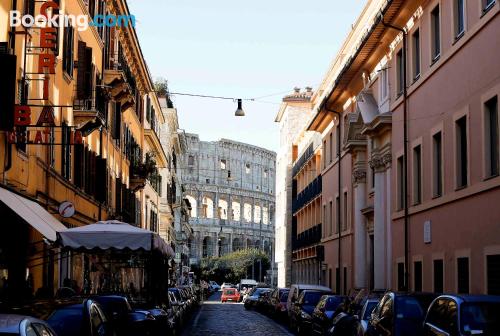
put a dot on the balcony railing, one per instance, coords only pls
(308, 194)
(307, 238)
(302, 160)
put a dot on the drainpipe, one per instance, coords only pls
(405, 153)
(8, 147)
(339, 217)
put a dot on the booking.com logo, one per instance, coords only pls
(80, 22)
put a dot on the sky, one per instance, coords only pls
(240, 49)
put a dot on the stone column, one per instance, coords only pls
(359, 177)
(379, 223)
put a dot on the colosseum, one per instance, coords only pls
(230, 186)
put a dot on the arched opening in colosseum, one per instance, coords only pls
(223, 246)
(237, 244)
(258, 244)
(265, 215)
(256, 214)
(236, 211)
(267, 247)
(192, 201)
(249, 243)
(207, 208)
(247, 212)
(222, 209)
(207, 247)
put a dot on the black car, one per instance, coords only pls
(400, 314)
(302, 310)
(126, 321)
(82, 317)
(324, 311)
(252, 301)
(277, 303)
(460, 315)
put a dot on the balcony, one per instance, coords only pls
(308, 194)
(119, 79)
(309, 152)
(89, 114)
(307, 238)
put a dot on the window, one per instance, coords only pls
(493, 274)
(345, 280)
(265, 173)
(337, 144)
(383, 83)
(372, 173)
(345, 212)
(325, 221)
(401, 276)
(330, 218)
(463, 275)
(66, 152)
(337, 209)
(435, 33)
(459, 17)
(417, 276)
(247, 168)
(461, 155)
(235, 213)
(437, 165)
(417, 174)
(191, 160)
(324, 154)
(223, 164)
(68, 53)
(400, 79)
(400, 183)
(207, 181)
(487, 4)
(331, 147)
(337, 280)
(491, 137)
(416, 53)
(438, 276)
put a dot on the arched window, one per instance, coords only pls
(222, 209)
(265, 215)
(256, 214)
(194, 209)
(236, 208)
(237, 245)
(247, 212)
(208, 208)
(207, 247)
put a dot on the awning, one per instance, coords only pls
(113, 234)
(34, 214)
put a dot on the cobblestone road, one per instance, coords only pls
(215, 318)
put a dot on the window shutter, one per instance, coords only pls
(7, 91)
(78, 169)
(101, 180)
(82, 62)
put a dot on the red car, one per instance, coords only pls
(230, 294)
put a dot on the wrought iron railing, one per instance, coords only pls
(308, 194)
(307, 238)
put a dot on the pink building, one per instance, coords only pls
(452, 240)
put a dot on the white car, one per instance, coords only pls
(215, 286)
(226, 285)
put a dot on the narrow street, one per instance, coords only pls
(215, 318)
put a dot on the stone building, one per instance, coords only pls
(231, 189)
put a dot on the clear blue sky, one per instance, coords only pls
(240, 49)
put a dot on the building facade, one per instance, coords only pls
(81, 127)
(231, 189)
(419, 154)
(294, 112)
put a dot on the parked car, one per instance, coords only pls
(254, 295)
(179, 304)
(11, 325)
(399, 314)
(323, 313)
(295, 291)
(83, 317)
(302, 310)
(230, 294)
(458, 315)
(365, 314)
(176, 311)
(125, 320)
(278, 300)
(214, 285)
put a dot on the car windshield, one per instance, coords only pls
(66, 321)
(480, 318)
(311, 298)
(369, 308)
(284, 296)
(332, 303)
(409, 307)
(229, 292)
